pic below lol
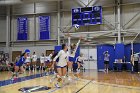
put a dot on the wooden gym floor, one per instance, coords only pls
(90, 81)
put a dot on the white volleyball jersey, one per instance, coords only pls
(46, 58)
(42, 59)
(28, 59)
(34, 58)
(106, 57)
(63, 58)
(136, 57)
(80, 59)
(50, 57)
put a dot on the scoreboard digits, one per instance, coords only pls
(87, 16)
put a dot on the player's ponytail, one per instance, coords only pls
(63, 46)
(54, 55)
(22, 54)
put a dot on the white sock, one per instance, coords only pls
(29, 67)
(69, 69)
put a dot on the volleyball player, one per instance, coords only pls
(50, 60)
(47, 62)
(34, 60)
(135, 60)
(61, 65)
(106, 61)
(28, 61)
(54, 67)
(42, 61)
(50, 56)
(19, 65)
(72, 48)
(80, 62)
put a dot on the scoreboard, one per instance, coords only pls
(87, 16)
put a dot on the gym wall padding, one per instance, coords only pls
(100, 56)
(127, 52)
(136, 48)
(57, 48)
(119, 51)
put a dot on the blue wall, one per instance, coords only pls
(119, 51)
(57, 48)
(128, 50)
(100, 57)
(136, 47)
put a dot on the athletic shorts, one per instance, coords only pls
(61, 66)
(47, 61)
(106, 62)
(71, 59)
(19, 65)
(34, 61)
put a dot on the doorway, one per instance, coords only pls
(90, 54)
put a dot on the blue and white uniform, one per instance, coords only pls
(42, 59)
(47, 59)
(50, 57)
(136, 57)
(28, 59)
(63, 59)
(72, 52)
(21, 61)
(106, 58)
(80, 59)
(34, 58)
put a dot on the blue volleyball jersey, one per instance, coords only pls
(21, 61)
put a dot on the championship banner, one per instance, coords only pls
(22, 28)
(44, 22)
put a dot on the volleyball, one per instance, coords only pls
(76, 26)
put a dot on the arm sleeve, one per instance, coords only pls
(77, 44)
(77, 59)
(58, 55)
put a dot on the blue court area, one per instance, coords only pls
(20, 79)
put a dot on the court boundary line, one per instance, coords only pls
(116, 85)
(77, 79)
(84, 86)
(62, 86)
